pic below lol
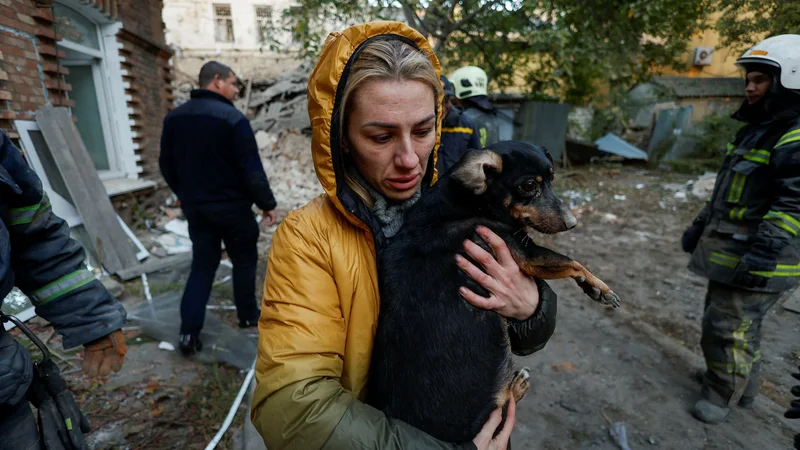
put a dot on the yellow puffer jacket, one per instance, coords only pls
(321, 303)
(320, 306)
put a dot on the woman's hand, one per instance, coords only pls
(513, 294)
(484, 439)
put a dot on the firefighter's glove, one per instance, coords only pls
(794, 411)
(743, 275)
(692, 236)
(103, 355)
(61, 422)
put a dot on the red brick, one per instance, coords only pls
(24, 18)
(43, 15)
(3, 75)
(5, 95)
(54, 85)
(54, 68)
(9, 115)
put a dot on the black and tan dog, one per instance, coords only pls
(439, 363)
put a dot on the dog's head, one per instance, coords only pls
(512, 180)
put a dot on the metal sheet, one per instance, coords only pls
(611, 143)
(544, 124)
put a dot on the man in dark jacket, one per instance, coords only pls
(38, 256)
(458, 132)
(745, 239)
(209, 158)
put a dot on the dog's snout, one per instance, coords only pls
(569, 220)
(566, 215)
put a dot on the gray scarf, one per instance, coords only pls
(390, 214)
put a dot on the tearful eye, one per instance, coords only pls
(528, 186)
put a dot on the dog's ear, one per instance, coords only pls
(549, 156)
(477, 166)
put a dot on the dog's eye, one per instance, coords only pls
(528, 186)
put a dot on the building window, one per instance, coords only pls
(263, 22)
(223, 23)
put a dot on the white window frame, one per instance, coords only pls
(230, 18)
(61, 207)
(108, 77)
(259, 20)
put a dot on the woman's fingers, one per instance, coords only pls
(477, 300)
(508, 427)
(490, 427)
(498, 245)
(482, 257)
(477, 275)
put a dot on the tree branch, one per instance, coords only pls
(466, 19)
(412, 16)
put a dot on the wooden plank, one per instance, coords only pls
(109, 241)
(154, 265)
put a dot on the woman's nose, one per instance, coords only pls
(405, 156)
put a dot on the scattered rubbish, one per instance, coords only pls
(574, 405)
(178, 227)
(640, 186)
(610, 218)
(234, 408)
(173, 244)
(703, 187)
(619, 435)
(611, 143)
(620, 197)
(164, 345)
(563, 367)
(652, 440)
(281, 103)
(680, 195)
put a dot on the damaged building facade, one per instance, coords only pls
(240, 33)
(107, 61)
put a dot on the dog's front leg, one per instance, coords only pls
(545, 264)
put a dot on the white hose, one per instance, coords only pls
(232, 413)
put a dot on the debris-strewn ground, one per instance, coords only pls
(600, 368)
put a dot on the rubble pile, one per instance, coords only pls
(281, 103)
(286, 156)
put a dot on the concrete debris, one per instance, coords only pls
(281, 103)
(703, 187)
(290, 169)
(164, 345)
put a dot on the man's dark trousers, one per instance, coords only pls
(209, 225)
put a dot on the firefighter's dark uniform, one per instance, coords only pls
(485, 121)
(458, 136)
(749, 247)
(38, 256)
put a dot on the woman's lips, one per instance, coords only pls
(403, 183)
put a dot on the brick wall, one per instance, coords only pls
(28, 63)
(29, 70)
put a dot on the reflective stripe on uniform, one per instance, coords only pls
(784, 221)
(737, 213)
(61, 286)
(737, 187)
(723, 259)
(729, 148)
(740, 348)
(464, 130)
(792, 136)
(759, 156)
(26, 214)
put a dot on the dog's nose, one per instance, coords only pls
(569, 220)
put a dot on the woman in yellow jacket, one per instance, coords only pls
(374, 98)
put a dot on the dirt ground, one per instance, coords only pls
(601, 367)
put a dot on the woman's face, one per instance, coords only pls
(391, 132)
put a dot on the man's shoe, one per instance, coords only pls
(710, 413)
(747, 402)
(190, 344)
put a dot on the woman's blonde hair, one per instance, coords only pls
(388, 60)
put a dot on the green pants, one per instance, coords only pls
(731, 342)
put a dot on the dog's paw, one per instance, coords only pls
(593, 292)
(520, 383)
(610, 298)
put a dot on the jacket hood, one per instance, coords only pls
(325, 89)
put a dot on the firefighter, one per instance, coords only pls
(38, 256)
(745, 239)
(458, 132)
(470, 84)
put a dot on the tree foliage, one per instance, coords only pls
(557, 49)
(743, 23)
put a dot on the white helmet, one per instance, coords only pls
(469, 81)
(782, 52)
